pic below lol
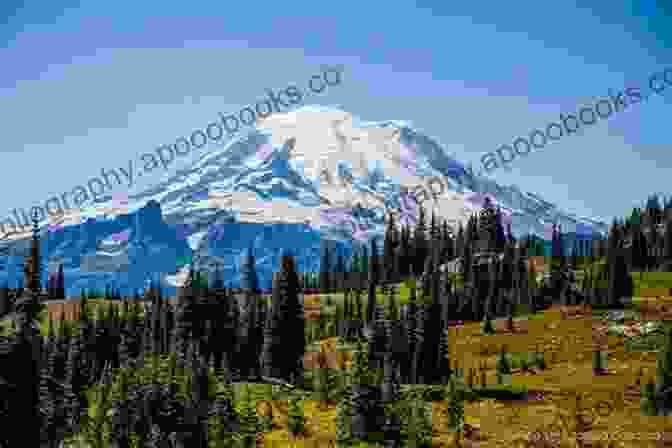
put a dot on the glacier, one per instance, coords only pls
(308, 177)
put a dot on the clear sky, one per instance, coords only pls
(88, 85)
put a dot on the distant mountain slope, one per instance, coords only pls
(302, 177)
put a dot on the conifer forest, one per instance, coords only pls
(433, 336)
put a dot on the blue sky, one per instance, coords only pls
(88, 85)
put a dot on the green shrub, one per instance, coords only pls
(647, 401)
(416, 422)
(343, 422)
(524, 364)
(503, 365)
(295, 416)
(521, 309)
(487, 327)
(503, 392)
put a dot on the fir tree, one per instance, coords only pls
(648, 399)
(343, 419)
(362, 399)
(247, 414)
(664, 370)
(487, 327)
(73, 384)
(620, 282)
(295, 416)
(460, 241)
(393, 308)
(287, 324)
(597, 362)
(455, 411)
(390, 243)
(325, 268)
(373, 282)
(5, 304)
(639, 249)
(420, 247)
(487, 226)
(60, 283)
(417, 429)
(667, 246)
(503, 365)
(339, 271)
(574, 259)
(320, 376)
(500, 236)
(248, 273)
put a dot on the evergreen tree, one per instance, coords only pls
(455, 408)
(653, 209)
(356, 265)
(247, 414)
(574, 259)
(620, 282)
(392, 307)
(540, 360)
(640, 250)
(186, 315)
(664, 369)
(390, 243)
(420, 246)
(488, 227)
(501, 239)
(667, 245)
(487, 327)
(405, 255)
(503, 365)
(60, 284)
(325, 268)
(295, 416)
(444, 370)
(597, 362)
(417, 429)
(373, 282)
(343, 419)
(459, 241)
(557, 263)
(435, 241)
(433, 330)
(288, 331)
(389, 389)
(365, 260)
(73, 384)
(320, 378)
(226, 422)
(248, 273)
(268, 347)
(648, 399)
(5, 304)
(358, 404)
(418, 340)
(248, 327)
(507, 268)
(50, 287)
(339, 271)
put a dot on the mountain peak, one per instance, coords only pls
(315, 173)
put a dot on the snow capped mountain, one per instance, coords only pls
(298, 179)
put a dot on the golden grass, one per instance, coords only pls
(567, 344)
